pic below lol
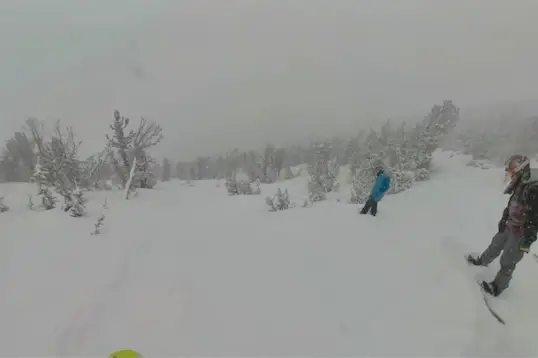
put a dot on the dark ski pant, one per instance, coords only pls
(509, 244)
(371, 205)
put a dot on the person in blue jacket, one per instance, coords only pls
(381, 186)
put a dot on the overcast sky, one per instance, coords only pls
(223, 73)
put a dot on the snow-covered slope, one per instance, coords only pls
(190, 271)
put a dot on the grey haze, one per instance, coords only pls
(219, 74)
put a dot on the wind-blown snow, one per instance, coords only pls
(185, 270)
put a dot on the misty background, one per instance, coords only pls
(219, 74)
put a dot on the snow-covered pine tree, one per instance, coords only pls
(75, 204)
(369, 155)
(18, 158)
(363, 180)
(270, 173)
(59, 164)
(92, 176)
(202, 168)
(404, 160)
(443, 118)
(244, 187)
(257, 190)
(121, 142)
(352, 156)
(323, 170)
(167, 170)
(43, 181)
(385, 135)
(279, 162)
(316, 191)
(250, 164)
(280, 201)
(192, 174)
(144, 177)
(63, 163)
(393, 160)
(333, 169)
(427, 135)
(232, 185)
(135, 143)
(286, 173)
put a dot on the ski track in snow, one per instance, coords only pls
(182, 271)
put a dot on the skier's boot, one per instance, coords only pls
(474, 260)
(491, 288)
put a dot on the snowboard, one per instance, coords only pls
(487, 297)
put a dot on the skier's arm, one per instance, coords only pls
(386, 185)
(531, 223)
(505, 214)
(504, 218)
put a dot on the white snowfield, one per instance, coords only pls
(189, 271)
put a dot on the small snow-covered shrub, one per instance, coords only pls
(103, 185)
(479, 163)
(257, 187)
(30, 202)
(144, 179)
(3, 206)
(245, 188)
(98, 224)
(48, 201)
(231, 186)
(75, 203)
(242, 187)
(400, 181)
(100, 220)
(422, 174)
(280, 201)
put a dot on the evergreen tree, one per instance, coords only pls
(167, 169)
(42, 179)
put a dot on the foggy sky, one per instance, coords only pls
(224, 73)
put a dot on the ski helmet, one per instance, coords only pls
(515, 168)
(126, 353)
(379, 171)
(377, 167)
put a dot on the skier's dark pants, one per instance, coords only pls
(509, 244)
(370, 205)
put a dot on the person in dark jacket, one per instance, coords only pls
(381, 186)
(518, 226)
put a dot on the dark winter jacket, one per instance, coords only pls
(381, 186)
(521, 213)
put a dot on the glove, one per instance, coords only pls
(526, 245)
(502, 225)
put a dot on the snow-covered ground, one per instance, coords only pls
(185, 270)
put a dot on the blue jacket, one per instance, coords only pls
(381, 186)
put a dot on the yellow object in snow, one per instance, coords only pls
(126, 353)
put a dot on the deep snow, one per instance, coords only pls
(185, 270)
